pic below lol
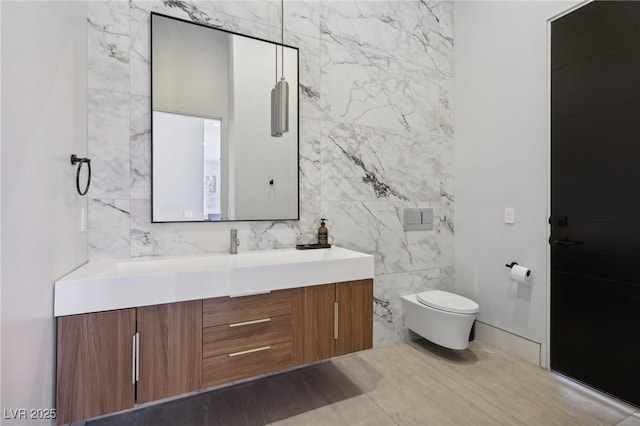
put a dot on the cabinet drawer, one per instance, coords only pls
(227, 368)
(227, 310)
(237, 337)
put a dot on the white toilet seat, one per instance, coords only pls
(448, 302)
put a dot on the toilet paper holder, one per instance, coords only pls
(512, 264)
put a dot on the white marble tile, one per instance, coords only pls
(140, 149)
(375, 227)
(208, 13)
(266, 235)
(445, 118)
(310, 172)
(108, 146)
(108, 228)
(365, 163)
(141, 239)
(447, 205)
(179, 239)
(309, 72)
(409, 31)
(302, 17)
(364, 88)
(388, 313)
(108, 45)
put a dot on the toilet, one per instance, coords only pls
(441, 317)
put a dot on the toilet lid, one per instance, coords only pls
(448, 302)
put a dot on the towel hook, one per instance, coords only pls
(80, 161)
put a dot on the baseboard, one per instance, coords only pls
(522, 348)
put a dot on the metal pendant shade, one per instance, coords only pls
(280, 96)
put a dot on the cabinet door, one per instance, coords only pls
(170, 351)
(355, 316)
(312, 313)
(95, 364)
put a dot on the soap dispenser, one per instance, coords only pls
(323, 233)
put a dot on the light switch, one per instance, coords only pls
(509, 215)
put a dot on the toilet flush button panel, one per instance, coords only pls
(509, 215)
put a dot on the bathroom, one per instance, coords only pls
(434, 105)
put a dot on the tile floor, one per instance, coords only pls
(414, 383)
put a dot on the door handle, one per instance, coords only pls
(566, 242)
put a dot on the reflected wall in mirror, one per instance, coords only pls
(213, 156)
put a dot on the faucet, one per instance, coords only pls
(234, 241)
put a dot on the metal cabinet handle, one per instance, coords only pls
(133, 360)
(264, 348)
(335, 320)
(137, 357)
(240, 324)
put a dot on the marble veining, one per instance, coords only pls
(389, 323)
(370, 89)
(415, 31)
(376, 127)
(108, 45)
(108, 143)
(365, 163)
(108, 229)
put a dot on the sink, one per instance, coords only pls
(102, 286)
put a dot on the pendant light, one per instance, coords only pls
(280, 94)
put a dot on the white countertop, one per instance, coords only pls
(103, 286)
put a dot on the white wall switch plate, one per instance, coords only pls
(509, 215)
(83, 219)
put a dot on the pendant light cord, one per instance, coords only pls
(282, 41)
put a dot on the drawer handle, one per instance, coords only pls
(255, 293)
(133, 361)
(264, 348)
(240, 324)
(335, 320)
(137, 357)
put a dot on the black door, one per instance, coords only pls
(595, 197)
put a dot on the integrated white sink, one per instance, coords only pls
(102, 286)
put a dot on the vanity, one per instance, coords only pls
(140, 330)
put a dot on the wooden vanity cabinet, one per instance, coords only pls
(95, 362)
(332, 319)
(108, 361)
(101, 367)
(355, 316)
(313, 310)
(246, 336)
(170, 350)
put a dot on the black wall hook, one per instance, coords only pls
(80, 161)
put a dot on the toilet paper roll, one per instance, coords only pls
(520, 273)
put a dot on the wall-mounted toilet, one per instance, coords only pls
(441, 317)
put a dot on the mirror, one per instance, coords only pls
(213, 156)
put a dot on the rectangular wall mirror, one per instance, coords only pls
(213, 156)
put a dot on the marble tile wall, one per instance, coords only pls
(376, 82)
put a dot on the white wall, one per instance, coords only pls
(501, 156)
(44, 117)
(178, 160)
(257, 157)
(190, 69)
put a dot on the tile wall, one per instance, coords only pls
(376, 135)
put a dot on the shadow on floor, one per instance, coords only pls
(465, 356)
(259, 402)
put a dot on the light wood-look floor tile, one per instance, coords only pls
(632, 420)
(416, 383)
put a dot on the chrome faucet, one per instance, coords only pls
(234, 241)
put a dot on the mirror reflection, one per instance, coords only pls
(213, 154)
